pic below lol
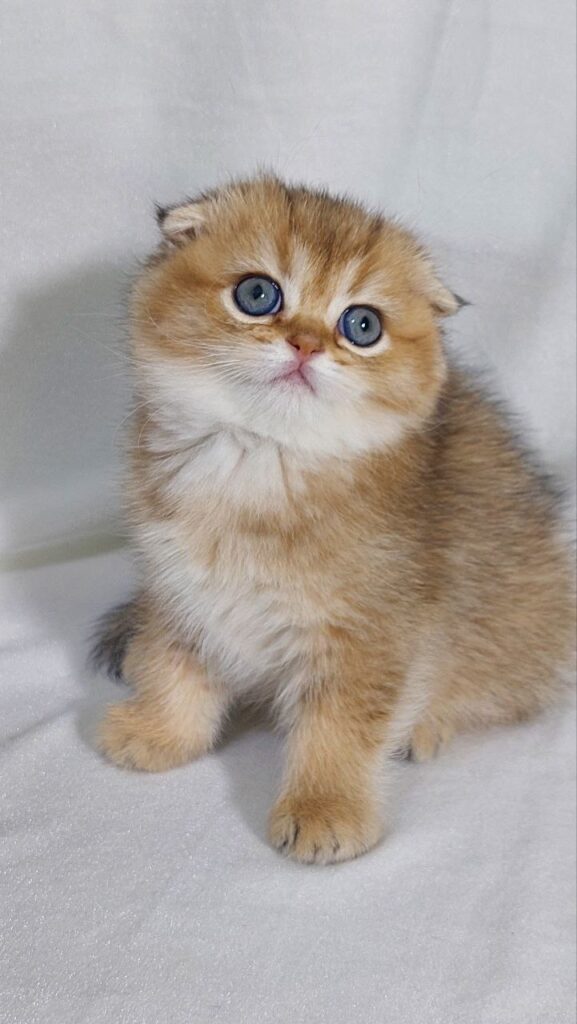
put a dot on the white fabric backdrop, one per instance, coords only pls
(459, 116)
(155, 900)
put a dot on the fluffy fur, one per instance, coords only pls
(368, 550)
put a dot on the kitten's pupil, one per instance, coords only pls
(364, 325)
(258, 292)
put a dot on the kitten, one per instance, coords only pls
(329, 517)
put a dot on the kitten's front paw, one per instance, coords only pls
(133, 735)
(322, 830)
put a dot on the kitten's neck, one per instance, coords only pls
(165, 437)
(224, 471)
(229, 464)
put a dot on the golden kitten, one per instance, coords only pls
(328, 516)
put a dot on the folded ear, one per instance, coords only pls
(442, 299)
(181, 223)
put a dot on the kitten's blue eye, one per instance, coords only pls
(360, 325)
(258, 296)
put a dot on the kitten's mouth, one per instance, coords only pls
(296, 377)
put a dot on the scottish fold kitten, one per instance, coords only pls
(328, 516)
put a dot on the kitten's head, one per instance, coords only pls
(292, 315)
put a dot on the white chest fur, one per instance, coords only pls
(251, 627)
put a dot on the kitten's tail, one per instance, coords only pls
(114, 631)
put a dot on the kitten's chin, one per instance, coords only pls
(295, 414)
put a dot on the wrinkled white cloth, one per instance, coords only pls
(136, 899)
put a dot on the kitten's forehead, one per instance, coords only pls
(311, 281)
(323, 252)
(267, 213)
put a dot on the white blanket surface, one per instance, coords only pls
(140, 899)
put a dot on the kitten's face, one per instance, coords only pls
(292, 316)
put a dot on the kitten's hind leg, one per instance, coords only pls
(425, 719)
(176, 714)
(429, 738)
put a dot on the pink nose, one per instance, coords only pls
(306, 345)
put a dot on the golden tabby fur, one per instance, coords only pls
(371, 553)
